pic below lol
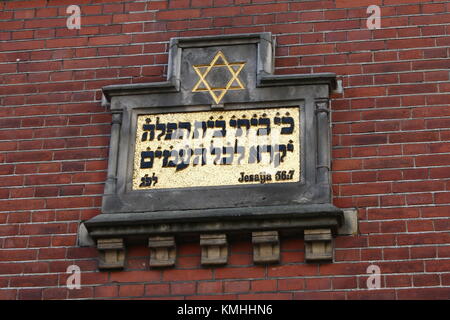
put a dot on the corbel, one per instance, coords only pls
(318, 245)
(266, 247)
(214, 249)
(162, 251)
(111, 253)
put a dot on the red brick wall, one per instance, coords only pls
(391, 143)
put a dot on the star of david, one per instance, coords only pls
(219, 61)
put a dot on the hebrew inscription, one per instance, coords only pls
(217, 148)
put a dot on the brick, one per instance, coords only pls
(194, 274)
(209, 287)
(15, 243)
(423, 238)
(135, 290)
(8, 294)
(443, 251)
(69, 202)
(317, 284)
(48, 179)
(29, 294)
(291, 284)
(423, 252)
(157, 289)
(136, 276)
(83, 292)
(441, 224)
(393, 213)
(364, 139)
(367, 188)
(426, 280)
(34, 281)
(347, 255)
(265, 296)
(432, 160)
(263, 285)
(236, 286)
(417, 137)
(236, 273)
(346, 164)
(437, 266)
(396, 253)
(178, 14)
(29, 204)
(388, 163)
(54, 293)
(445, 279)
(343, 269)
(396, 281)
(370, 254)
(423, 294)
(186, 288)
(419, 186)
(420, 225)
(29, 156)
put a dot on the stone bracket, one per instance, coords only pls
(266, 247)
(111, 253)
(214, 249)
(162, 251)
(319, 222)
(318, 245)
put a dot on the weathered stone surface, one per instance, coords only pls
(214, 249)
(266, 247)
(350, 225)
(318, 245)
(162, 251)
(83, 237)
(111, 253)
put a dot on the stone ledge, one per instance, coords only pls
(222, 220)
(162, 229)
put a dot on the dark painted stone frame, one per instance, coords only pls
(285, 207)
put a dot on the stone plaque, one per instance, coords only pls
(217, 148)
(223, 148)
